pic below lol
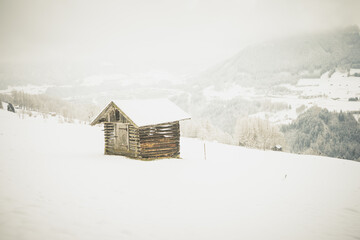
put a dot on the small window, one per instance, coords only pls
(117, 115)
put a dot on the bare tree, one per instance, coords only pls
(257, 133)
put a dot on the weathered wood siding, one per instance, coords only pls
(162, 140)
(134, 140)
(113, 116)
(109, 137)
(157, 141)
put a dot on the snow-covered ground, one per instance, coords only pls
(288, 115)
(334, 87)
(55, 183)
(326, 92)
(330, 93)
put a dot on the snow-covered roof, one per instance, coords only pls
(151, 111)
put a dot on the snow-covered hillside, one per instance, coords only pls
(332, 93)
(55, 183)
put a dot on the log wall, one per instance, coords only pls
(161, 140)
(134, 143)
(134, 140)
(109, 133)
(150, 142)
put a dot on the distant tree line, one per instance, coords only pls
(223, 114)
(353, 99)
(203, 129)
(320, 132)
(316, 131)
(46, 104)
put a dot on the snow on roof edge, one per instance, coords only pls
(145, 112)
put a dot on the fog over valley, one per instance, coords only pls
(261, 137)
(179, 37)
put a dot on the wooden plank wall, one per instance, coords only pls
(109, 133)
(157, 141)
(161, 140)
(134, 140)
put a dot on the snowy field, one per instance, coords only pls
(55, 183)
(330, 93)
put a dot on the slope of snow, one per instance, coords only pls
(330, 93)
(334, 87)
(55, 183)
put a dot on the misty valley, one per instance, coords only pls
(259, 98)
(181, 120)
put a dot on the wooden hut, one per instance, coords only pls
(143, 129)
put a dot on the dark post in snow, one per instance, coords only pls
(204, 151)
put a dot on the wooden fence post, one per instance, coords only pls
(204, 151)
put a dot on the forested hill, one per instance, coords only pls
(286, 60)
(320, 132)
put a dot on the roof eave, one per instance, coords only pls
(148, 125)
(95, 121)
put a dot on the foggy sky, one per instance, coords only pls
(176, 36)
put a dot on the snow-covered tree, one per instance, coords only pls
(257, 133)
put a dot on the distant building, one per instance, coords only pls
(143, 129)
(277, 148)
(10, 107)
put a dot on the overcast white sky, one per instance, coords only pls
(172, 35)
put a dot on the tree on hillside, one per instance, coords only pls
(203, 129)
(257, 133)
(318, 131)
(45, 104)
